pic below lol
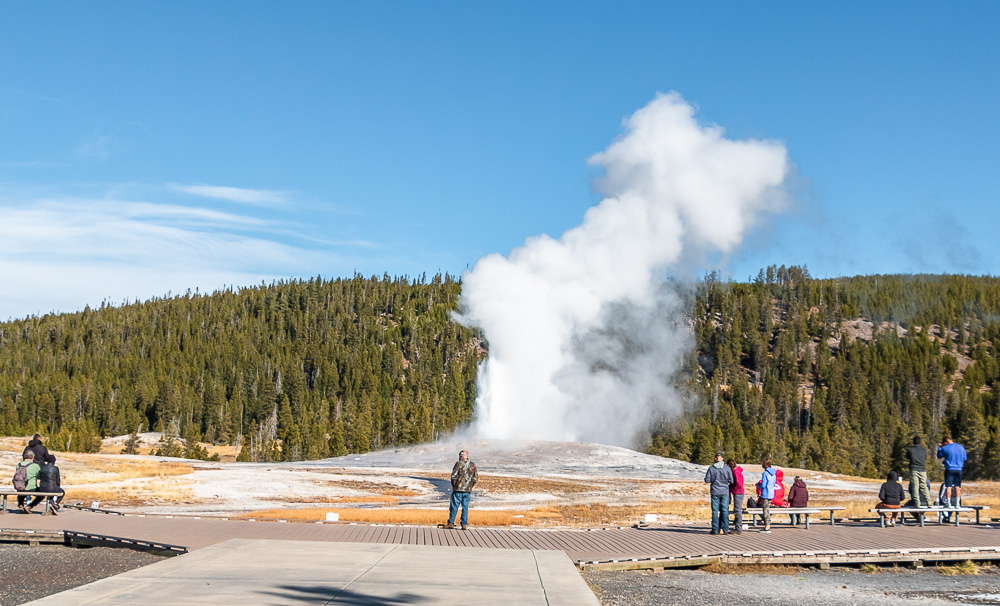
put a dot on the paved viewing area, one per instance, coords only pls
(246, 571)
(361, 563)
(580, 545)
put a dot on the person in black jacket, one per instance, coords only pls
(916, 456)
(48, 481)
(890, 496)
(35, 445)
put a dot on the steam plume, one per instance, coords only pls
(583, 337)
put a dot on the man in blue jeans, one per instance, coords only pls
(954, 460)
(720, 477)
(464, 476)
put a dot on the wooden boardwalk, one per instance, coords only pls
(847, 542)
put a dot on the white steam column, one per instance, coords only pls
(583, 341)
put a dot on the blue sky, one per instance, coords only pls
(148, 148)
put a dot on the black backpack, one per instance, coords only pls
(47, 475)
(21, 477)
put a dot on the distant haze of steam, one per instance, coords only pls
(583, 339)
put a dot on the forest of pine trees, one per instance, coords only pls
(840, 374)
(834, 374)
(290, 371)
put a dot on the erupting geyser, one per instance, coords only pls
(583, 336)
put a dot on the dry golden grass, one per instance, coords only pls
(400, 493)
(966, 568)
(133, 494)
(511, 485)
(719, 568)
(421, 517)
(369, 499)
(557, 515)
(385, 488)
(515, 485)
(111, 470)
(122, 482)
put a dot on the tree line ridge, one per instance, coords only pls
(840, 374)
(831, 374)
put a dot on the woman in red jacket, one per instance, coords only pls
(736, 492)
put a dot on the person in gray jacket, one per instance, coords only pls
(720, 477)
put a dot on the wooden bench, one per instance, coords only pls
(789, 511)
(32, 493)
(830, 508)
(978, 508)
(919, 512)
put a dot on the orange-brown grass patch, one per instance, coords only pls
(551, 516)
(387, 516)
(516, 485)
(400, 493)
(319, 499)
(361, 485)
(513, 485)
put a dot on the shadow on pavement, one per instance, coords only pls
(291, 594)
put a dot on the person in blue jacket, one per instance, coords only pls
(768, 481)
(954, 461)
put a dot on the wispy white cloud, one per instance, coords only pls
(260, 197)
(100, 147)
(60, 253)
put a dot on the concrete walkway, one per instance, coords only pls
(257, 571)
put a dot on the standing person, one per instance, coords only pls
(916, 455)
(26, 479)
(464, 476)
(48, 481)
(736, 492)
(768, 482)
(890, 496)
(954, 457)
(720, 477)
(915, 501)
(798, 496)
(35, 445)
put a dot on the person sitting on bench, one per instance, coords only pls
(798, 496)
(26, 479)
(890, 496)
(944, 501)
(48, 481)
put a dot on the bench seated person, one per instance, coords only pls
(920, 512)
(789, 511)
(48, 496)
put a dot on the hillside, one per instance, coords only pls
(834, 375)
(840, 374)
(292, 370)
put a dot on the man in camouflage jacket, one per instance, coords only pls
(463, 477)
